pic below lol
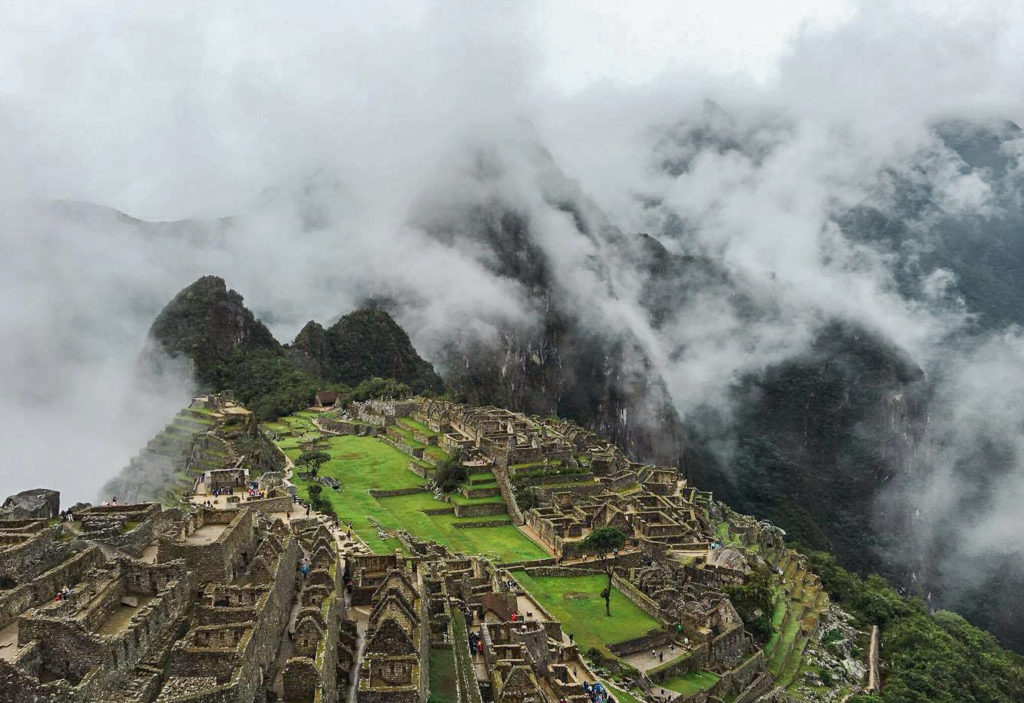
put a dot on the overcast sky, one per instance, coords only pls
(357, 114)
(189, 108)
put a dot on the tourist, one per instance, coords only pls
(661, 656)
(572, 638)
(480, 646)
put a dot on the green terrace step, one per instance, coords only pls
(792, 666)
(462, 500)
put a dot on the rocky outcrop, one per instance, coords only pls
(364, 344)
(38, 503)
(819, 435)
(207, 323)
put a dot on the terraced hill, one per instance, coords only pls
(197, 440)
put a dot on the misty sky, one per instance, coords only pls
(323, 130)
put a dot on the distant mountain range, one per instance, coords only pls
(818, 417)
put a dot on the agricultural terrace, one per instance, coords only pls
(362, 464)
(576, 602)
(691, 682)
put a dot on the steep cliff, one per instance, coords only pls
(207, 323)
(364, 344)
(817, 438)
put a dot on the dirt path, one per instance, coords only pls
(874, 681)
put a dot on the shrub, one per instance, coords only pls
(450, 473)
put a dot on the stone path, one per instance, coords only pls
(643, 661)
(9, 641)
(287, 643)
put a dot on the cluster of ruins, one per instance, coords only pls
(240, 594)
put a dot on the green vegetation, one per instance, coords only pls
(362, 464)
(574, 601)
(313, 460)
(366, 344)
(442, 677)
(691, 682)
(450, 473)
(230, 348)
(417, 426)
(753, 601)
(318, 502)
(265, 381)
(603, 541)
(936, 658)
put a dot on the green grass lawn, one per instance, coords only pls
(691, 682)
(414, 425)
(622, 696)
(437, 453)
(442, 676)
(365, 463)
(576, 601)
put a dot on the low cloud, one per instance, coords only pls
(357, 151)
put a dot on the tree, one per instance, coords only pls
(450, 473)
(313, 460)
(604, 541)
(317, 501)
(753, 601)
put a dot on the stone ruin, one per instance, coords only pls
(235, 603)
(202, 617)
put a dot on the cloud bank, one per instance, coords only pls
(316, 156)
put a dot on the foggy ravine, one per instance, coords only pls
(313, 166)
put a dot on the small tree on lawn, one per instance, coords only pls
(603, 541)
(313, 460)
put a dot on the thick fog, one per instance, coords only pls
(309, 155)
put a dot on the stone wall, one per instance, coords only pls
(641, 599)
(71, 645)
(255, 643)
(481, 523)
(335, 426)
(479, 509)
(24, 558)
(277, 504)
(42, 589)
(397, 443)
(397, 492)
(509, 496)
(643, 643)
(16, 686)
(135, 541)
(220, 560)
(743, 681)
(696, 658)
(761, 685)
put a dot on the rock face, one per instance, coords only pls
(598, 375)
(819, 435)
(208, 323)
(40, 503)
(986, 254)
(226, 347)
(364, 344)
